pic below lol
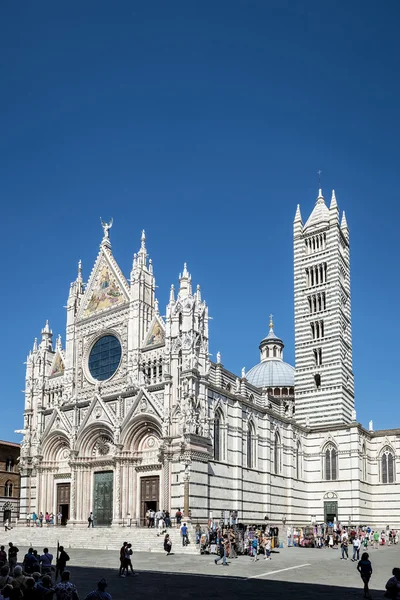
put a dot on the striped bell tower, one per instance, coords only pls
(324, 380)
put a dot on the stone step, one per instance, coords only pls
(105, 538)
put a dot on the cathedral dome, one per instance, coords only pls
(271, 373)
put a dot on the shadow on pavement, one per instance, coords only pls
(170, 586)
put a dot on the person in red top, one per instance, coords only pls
(178, 516)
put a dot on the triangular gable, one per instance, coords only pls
(107, 287)
(57, 421)
(144, 403)
(98, 411)
(156, 333)
(57, 366)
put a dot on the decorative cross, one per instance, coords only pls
(271, 324)
(319, 177)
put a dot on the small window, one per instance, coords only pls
(8, 488)
(317, 379)
(9, 465)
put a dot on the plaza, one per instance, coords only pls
(303, 573)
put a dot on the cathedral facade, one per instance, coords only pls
(131, 414)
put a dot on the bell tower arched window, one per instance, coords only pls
(8, 488)
(330, 458)
(387, 466)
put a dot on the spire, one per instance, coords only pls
(333, 203)
(46, 329)
(198, 293)
(79, 277)
(35, 346)
(142, 254)
(320, 199)
(185, 281)
(47, 336)
(58, 343)
(297, 217)
(343, 224)
(156, 309)
(271, 323)
(150, 265)
(105, 242)
(172, 293)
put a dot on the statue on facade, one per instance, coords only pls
(106, 227)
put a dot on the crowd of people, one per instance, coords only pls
(38, 520)
(36, 577)
(338, 536)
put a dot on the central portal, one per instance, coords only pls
(103, 498)
(149, 496)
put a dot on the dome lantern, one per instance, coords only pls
(271, 347)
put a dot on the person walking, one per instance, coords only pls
(167, 544)
(184, 534)
(222, 552)
(62, 560)
(267, 548)
(90, 520)
(356, 549)
(178, 517)
(41, 519)
(12, 556)
(128, 559)
(345, 549)
(376, 540)
(364, 567)
(122, 560)
(7, 525)
(100, 593)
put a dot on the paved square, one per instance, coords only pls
(293, 572)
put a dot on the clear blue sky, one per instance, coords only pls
(204, 123)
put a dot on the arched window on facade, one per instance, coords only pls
(330, 458)
(298, 461)
(277, 454)
(387, 465)
(267, 352)
(364, 463)
(8, 489)
(251, 438)
(275, 351)
(218, 436)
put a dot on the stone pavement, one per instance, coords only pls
(303, 573)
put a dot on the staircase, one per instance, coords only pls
(103, 538)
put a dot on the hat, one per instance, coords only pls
(102, 582)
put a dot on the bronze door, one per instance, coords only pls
(103, 498)
(63, 501)
(149, 496)
(330, 512)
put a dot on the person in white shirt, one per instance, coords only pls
(356, 548)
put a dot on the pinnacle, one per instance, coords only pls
(333, 201)
(297, 217)
(343, 223)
